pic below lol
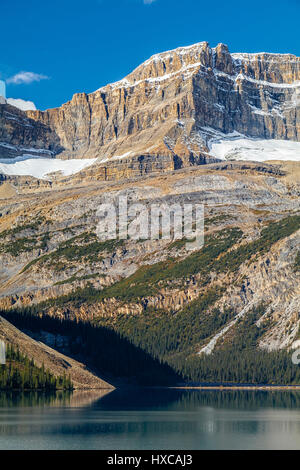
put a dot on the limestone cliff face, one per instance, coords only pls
(165, 106)
(171, 105)
(21, 135)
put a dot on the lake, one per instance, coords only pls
(150, 419)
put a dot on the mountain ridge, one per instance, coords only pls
(162, 114)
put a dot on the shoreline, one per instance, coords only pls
(237, 387)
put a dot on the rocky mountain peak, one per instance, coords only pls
(168, 109)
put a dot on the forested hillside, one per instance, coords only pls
(21, 373)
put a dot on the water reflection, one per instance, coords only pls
(171, 399)
(31, 399)
(60, 398)
(193, 399)
(150, 419)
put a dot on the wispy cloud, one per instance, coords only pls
(26, 78)
(148, 2)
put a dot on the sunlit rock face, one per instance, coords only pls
(173, 104)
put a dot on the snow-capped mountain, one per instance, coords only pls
(191, 105)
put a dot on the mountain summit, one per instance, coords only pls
(168, 111)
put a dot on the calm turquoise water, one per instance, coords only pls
(160, 419)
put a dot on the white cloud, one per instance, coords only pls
(26, 78)
(148, 2)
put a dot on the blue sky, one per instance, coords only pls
(53, 49)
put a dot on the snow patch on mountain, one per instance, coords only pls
(238, 147)
(25, 150)
(22, 104)
(40, 167)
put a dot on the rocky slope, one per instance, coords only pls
(164, 113)
(49, 248)
(159, 119)
(57, 363)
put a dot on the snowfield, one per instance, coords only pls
(238, 147)
(223, 146)
(40, 167)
